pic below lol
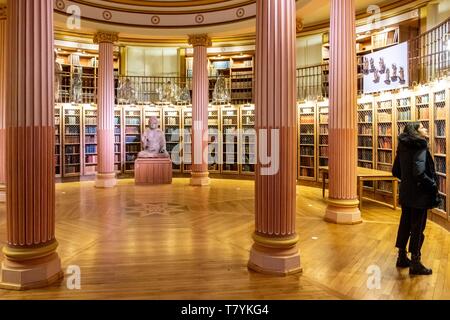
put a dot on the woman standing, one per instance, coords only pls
(414, 166)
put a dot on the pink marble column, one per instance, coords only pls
(275, 248)
(200, 101)
(30, 253)
(106, 175)
(343, 201)
(2, 102)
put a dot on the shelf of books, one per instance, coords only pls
(118, 140)
(213, 139)
(187, 140)
(58, 141)
(307, 146)
(423, 110)
(385, 139)
(133, 133)
(440, 124)
(322, 136)
(72, 141)
(90, 140)
(230, 139)
(366, 135)
(248, 140)
(242, 79)
(404, 112)
(172, 131)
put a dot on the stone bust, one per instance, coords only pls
(154, 141)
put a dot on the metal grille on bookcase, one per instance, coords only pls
(172, 130)
(58, 141)
(248, 140)
(230, 146)
(187, 140)
(213, 140)
(132, 137)
(307, 165)
(90, 141)
(440, 147)
(384, 141)
(365, 137)
(72, 141)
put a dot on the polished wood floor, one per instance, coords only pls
(181, 242)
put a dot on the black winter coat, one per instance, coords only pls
(414, 166)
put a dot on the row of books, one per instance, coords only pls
(91, 149)
(404, 115)
(306, 172)
(365, 106)
(323, 151)
(90, 140)
(364, 154)
(384, 117)
(132, 130)
(307, 161)
(91, 159)
(323, 129)
(440, 146)
(440, 164)
(72, 130)
(306, 151)
(384, 104)
(72, 139)
(365, 141)
(90, 130)
(133, 121)
(423, 113)
(132, 139)
(72, 169)
(385, 142)
(440, 112)
(72, 149)
(384, 156)
(306, 139)
(72, 159)
(242, 85)
(365, 129)
(242, 95)
(72, 120)
(90, 121)
(440, 128)
(365, 117)
(306, 119)
(385, 130)
(442, 185)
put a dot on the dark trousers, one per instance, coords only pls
(412, 226)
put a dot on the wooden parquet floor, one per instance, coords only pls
(182, 242)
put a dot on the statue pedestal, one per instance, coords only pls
(150, 171)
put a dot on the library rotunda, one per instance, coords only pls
(277, 122)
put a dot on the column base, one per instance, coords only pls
(30, 274)
(200, 179)
(105, 180)
(343, 212)
(2, 193)
(279, 257)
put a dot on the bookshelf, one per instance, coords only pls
(118, 140)
(133, 133)
(440, 115)
(242, 79)
(404, 112)
(230, 139)
(72, 141)
(90, 140)
(58, 141)
(307, 145)
(366, 141)
(213, 139)
(322, 135)
(172, 130)
(152, 111)
(385, 140)
(187, 139)
(423, 110)
(248, 140)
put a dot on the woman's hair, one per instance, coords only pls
(412, 129)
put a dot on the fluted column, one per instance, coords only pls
(200, 101)
(30, 253)
(275, 248)
(106, 175)
(343, 202)
(2, 103)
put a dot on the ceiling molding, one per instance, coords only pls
(185, 3)
(164, 12)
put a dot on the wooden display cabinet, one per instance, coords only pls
(307, 168)
(404, 111)
(248, 146)
(133, 132)
(72, 152)
(230, 139)
(90, 156)
(322, 135)
(118, 140)
(172, 131)
(385, 133)
(366, 140)
(440, 145)
(58, 140)
(187, 139)
(214, 139)
(152, 111)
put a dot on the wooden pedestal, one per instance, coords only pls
(153, 171)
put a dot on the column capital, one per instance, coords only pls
(105, 36)
(200, 40)
(2, 12)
